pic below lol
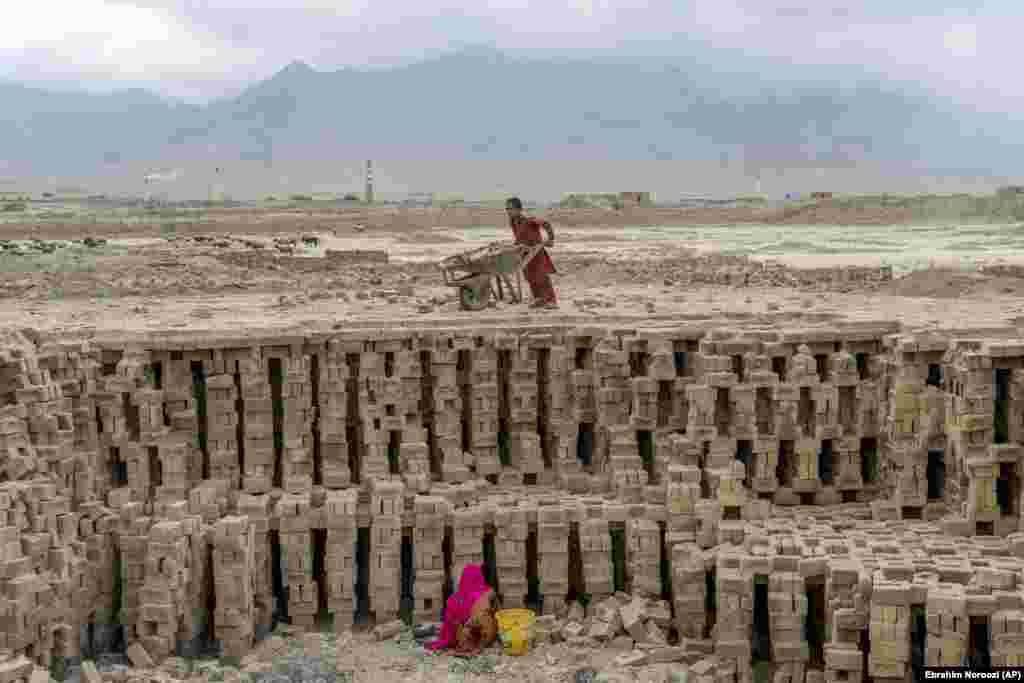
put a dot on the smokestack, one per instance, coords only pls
(369, 182)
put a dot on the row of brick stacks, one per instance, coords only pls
(832, 504)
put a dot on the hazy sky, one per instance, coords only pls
(210, 48)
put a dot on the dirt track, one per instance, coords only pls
(224, 281)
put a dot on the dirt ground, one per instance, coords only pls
(240, 271)
(244, 269)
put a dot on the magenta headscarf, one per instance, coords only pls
(459, 607)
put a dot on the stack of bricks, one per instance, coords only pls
(743, 400)
(339, 559)
(596, 551)
(726, 476)
(79, 384)
(1008, 637)
(613, 389)
(689, 588)
(133, 542)
(644, 414)
(843, 657)
(21, 589)
(222, 428)
(557, 420)
(376, 393)
(97, 599)
(467, 540)
(234, 543)
(701, 421)
(402, 426)
(889, 626)
(258, 422)
(297, 424)
(526, 456)
(173, 459)
(209, 500)
(386, 506)
(844, 375)
(949, 626)
(181, 407)
(480, 378)
(662, 369)
(763, 478)
(912, 486)
(581, 408)
(428, 549)
(553, 552)
(787, 612)
(1015, 412)
(735, 615)
(195, 625)
(806, 479)
(682, 489)
(111, 431)
(849, 473)
(332, 418)
(257, 510)
(525, 453)
(293, 512)
(164, 595)
(512, 530)
(625, 467)
(446, 401)
(643, 554)
(50, 427)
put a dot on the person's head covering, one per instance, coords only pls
(514, 203)
(472, 586)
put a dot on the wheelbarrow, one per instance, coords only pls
(486, 272)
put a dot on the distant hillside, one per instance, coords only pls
(481, 104)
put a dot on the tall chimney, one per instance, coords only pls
(369, 182)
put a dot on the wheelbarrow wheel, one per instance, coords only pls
(475, 297)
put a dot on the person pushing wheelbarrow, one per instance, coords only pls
(527, 230)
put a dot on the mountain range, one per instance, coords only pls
(484, 104)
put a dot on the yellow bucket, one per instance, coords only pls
(515, 629)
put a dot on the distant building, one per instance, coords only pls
(636, 198)
(821, 195)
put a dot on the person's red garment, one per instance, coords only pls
(528, 231)
(540, 266)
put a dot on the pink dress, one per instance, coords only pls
(472, 587)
